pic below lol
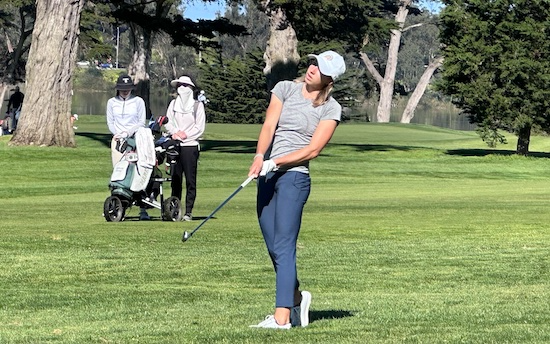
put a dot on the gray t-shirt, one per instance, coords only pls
(298, 120)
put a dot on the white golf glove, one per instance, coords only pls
(268, 166)
(123, 135)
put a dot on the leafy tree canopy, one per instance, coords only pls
(346, 21)
(95, 25)
(497, 64)
(17, 21)
(156, 16)
(236, 89)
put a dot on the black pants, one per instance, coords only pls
(186, 164)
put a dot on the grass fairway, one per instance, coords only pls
(412, 234)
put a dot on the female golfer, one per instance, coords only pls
(186, 123)
(125, 115)
(300, 121)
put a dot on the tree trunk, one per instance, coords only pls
(281, 53)
(138, 69)
(46, 112)
(419, 90)
(524, 138)
(3, 89)
(386, 86)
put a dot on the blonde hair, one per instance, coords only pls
(324, 94)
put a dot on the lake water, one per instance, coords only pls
(444, 115)
(95, 102)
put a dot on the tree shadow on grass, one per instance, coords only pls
(155, 217)
(202, 218)
(229, 146)
(249, 147)
(486, 152)
(377, 148)
(105, 139)
(329, 314)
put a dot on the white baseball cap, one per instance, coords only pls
(330, 64)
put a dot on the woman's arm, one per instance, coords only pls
(171, 126)
(322, 135)
(272, 116)
(141, 115)
(110, 117)
(198, 126)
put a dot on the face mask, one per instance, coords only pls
(184, 91)
(184, 101)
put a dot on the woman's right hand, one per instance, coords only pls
(256, 166)
(180, 135)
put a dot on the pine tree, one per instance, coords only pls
(497, 65)
(236, 89)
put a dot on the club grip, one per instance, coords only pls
(248, 180)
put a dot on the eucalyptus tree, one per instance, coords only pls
(281, 56)
(399, 9)
(169, 61)
(419, 59)
(45, 115)
(256, 23)
(497, 65)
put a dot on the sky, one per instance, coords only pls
(202, 10)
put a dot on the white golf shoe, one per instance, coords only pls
(304, 308)
(270, 322)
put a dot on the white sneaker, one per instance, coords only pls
(270, 322)
(187, 217)
(304, 308)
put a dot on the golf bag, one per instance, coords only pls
(133, 172)
(136, 179)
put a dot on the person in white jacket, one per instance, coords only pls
(125, 115)
(186, 123)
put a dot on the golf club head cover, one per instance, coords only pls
(121, 145)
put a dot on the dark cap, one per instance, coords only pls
(124, 83)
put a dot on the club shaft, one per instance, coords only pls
(248, 180)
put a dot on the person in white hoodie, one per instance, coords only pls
(186, 123)
(125, 115)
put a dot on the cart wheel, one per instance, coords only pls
(113, 211)
(171, 210)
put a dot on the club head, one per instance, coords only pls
(185, 236)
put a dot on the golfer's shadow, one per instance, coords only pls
(159, 218)
(328, 315)
(201, 218)
(136, 218)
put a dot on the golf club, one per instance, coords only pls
(187, 235)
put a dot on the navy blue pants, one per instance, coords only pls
(281, 200)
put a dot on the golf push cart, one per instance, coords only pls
(136, 179)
